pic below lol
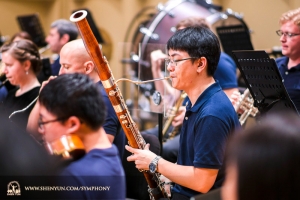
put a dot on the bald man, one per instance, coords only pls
(75, 59)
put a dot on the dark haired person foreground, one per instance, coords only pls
(72, 105)
(209, 120)
(263, 161)
(22, 63)
(23, 162)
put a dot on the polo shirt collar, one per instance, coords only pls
(284, 64)
(210, 91)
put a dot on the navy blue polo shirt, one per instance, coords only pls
(291, 79)
(205, 130)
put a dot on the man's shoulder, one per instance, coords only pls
(281, 60)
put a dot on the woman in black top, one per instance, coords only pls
(22, 63)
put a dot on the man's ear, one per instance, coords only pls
(65, 38)
(202, 64)
(72, 124)
(89, 67)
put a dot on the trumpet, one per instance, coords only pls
(167, 124)
(245, 107)
(43, 49)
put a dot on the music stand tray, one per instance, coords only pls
(264, 81)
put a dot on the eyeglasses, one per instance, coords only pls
(172, 62)
(41, 123)
(280, 33)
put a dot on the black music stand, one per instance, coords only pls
(264, 81)
(236, 37)
(31, 24)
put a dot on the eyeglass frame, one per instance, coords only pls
(289, 35)
(168, 61)
(41, 123)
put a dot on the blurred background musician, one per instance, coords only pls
(21, 60)
(289, 64)
(20, 35)
(61, 32)
(5, 86)
(225, 74)
(72, 104)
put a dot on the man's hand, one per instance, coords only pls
(141, 157)
(157, 58)
(46, 82)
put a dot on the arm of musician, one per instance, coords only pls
(110, 137)
(32, 124)
(230, 91)
(198, 179)
(157, 59)
(235, 100)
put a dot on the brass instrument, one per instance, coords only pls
(245, 107)
(43, 49)
(155, 186)
(168, 122)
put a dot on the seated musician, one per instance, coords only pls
(289, 63)
(209, 120)
(22, 63)
(61, 31)
(74, 58)
(225, 74)
(72, 105)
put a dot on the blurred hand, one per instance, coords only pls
(46, 82)
(157, 59)
(167, 184)
(178, 119)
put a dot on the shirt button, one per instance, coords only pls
(186, 118)
(286, 73)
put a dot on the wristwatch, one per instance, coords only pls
(153, 164)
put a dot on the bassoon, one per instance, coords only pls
(155, 185)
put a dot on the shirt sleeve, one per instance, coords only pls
(211, 134)
(226, 72)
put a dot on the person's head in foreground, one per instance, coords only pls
(263, 161)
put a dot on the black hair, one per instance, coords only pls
(197, 42)
(74, 95)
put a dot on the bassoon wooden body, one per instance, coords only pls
(135, 139)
